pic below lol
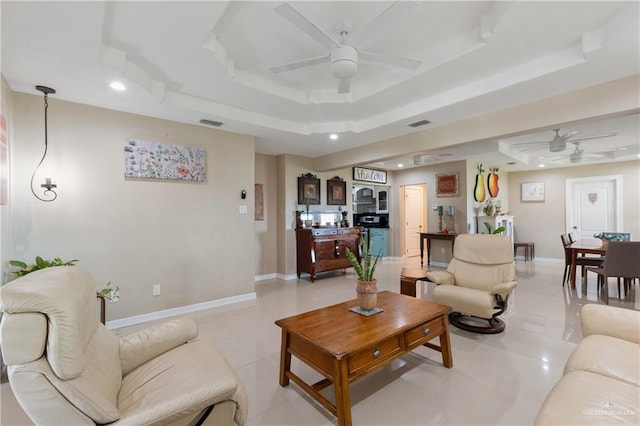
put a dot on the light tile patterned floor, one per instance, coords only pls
(496, 379)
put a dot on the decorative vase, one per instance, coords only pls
(367, 292)
(308, 223)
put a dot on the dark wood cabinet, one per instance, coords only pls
(323, 249)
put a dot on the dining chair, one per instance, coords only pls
(581, 261)
(620, 261)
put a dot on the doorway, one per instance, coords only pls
(594, 205)
(413, 218)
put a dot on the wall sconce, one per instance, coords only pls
(48, 192)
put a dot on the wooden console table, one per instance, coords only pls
(345, 346)
(434, 236)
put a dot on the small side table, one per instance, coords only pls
(529, 250)
(409, 278)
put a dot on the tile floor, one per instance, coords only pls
(496, 379)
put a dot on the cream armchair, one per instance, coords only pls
(66, 368)
(478, 282)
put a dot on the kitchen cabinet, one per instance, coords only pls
(379, 241)
(323, 249)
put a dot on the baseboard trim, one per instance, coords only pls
(265, 277)
(285, 277)
(152, 316)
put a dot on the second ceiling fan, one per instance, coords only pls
(343, 56)
(559, 141)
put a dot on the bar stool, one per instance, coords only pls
(529, 250)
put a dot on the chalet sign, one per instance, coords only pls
(369, 175)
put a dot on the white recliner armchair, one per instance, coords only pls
(66, 368)
(477, 283)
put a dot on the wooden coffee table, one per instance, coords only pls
(345, 346)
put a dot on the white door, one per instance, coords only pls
(594, 205)
(413, 213)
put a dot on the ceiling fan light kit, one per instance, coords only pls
(344, 61)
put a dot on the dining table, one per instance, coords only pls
(582, 247)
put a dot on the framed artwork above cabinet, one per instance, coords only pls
(308, 188)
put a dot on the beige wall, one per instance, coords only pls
(187, 237)
(265, 244)
(543, 223)
(427, 174)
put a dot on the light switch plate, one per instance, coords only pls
(243, 209)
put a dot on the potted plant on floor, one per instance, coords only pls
(367, 285)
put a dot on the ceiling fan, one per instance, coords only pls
(559, 142)
(577, 155)
(343, 56)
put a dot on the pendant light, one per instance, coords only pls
(49, 193)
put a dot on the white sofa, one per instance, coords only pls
(601, 381)
(66, 368)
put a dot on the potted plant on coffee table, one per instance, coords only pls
(367, 285)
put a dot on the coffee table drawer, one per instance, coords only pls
(367, 359)
(424, 332)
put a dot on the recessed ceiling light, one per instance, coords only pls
(333, 136)
(116, 85)
(540, 165)
(400, 165)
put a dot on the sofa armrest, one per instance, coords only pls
(610, 321)
(138, 348)
(504, 288)
(441, 277)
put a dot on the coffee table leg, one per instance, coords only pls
(285, 359)
(445, 346)
(343, 400)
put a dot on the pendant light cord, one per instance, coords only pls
(48, 190)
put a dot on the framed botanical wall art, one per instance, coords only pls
(336, 192)
(447, 185)
(531, 192)
(308, 188)
(153, 160)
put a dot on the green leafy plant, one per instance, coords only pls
(498, 230)
(40, 264)
(111, 294)
(365, 272)
(307, 202)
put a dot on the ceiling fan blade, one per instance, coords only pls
(299, 64)
(302, 23)
(584, 138)
(566, 136)
(395, 61)
(533, 143)
(344, 85)
(396, 12)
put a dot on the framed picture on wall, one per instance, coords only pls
(336, 192)
(308, 187)
(447, 185)
(532, 192)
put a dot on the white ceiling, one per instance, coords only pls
(186, 61)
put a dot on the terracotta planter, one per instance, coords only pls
(367, 292)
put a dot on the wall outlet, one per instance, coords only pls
(441, 251)
(434, 207)
(156, 290)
